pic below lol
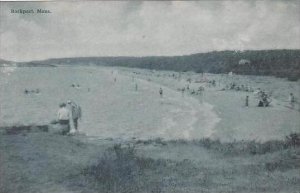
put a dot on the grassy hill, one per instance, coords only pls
(52, 163)
(280, 63)
(6, 63)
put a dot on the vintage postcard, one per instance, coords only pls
(150, 96)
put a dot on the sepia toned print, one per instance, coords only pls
(150, 97)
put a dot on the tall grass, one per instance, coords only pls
(243, 147)
(121, 170)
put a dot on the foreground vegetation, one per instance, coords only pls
(38, 161)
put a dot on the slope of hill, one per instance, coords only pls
(6, 63)
(281, 63)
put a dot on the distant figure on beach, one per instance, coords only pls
(213, 83)
(200, 89)
(161, 92)
(201, 92)
(264, 99)
(260, 103)
(36, 91)
(258, 92)
(136, 86)
(75, 113)
(182, 91)
(75, 86)
(292, 100)
(247, 101)
(63, 116)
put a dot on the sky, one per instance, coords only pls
(146, 28)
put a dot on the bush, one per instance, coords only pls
(120, 170)
(115, 172)
(293, 140)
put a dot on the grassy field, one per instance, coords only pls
(51, 163)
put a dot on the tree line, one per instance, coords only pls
(280, 63)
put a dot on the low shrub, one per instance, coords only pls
(251, 147)
(244, 147)
(121, 170)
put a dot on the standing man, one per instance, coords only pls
(201, 92)
(182, 91)
(63, 116)
(160, 92)
(292, 100)
(247, 101)
(75, 113)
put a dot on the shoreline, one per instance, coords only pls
(236, 121)
(143, 118)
